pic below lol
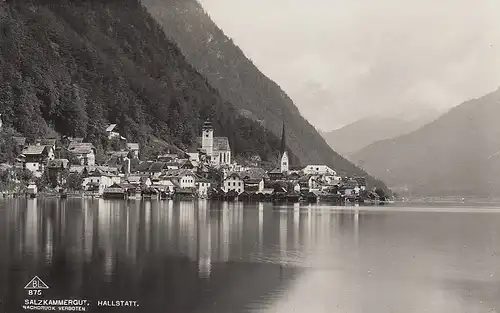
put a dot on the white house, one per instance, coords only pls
(36, 158)
(202, 187)
(164, 183)
(182, 178)
(194, 156)
(315, 169)
(84, 152)
(133, 148)
(234, 182)
(110, 130)
(98, 181)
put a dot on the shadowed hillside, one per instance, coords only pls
(239, 81)
(74, 66)
(458, 154)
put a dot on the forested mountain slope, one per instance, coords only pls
(74, 66)
(240, 82)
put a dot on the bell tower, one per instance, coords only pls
(207, 138)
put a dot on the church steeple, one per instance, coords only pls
(283, 140)
(284, 162)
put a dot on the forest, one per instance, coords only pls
(71, 67)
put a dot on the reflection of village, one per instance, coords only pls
(85, 230)
(207, 170)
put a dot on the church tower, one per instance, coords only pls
(284, 162)
(207, 138)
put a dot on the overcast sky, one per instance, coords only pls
(341, 60)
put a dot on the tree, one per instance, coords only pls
(44, 181)
(23, 175)
(381, 193)
(74, 181)
(7, 146)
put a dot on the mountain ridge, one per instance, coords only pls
(240, 82)
(353, 137)
(455, 155)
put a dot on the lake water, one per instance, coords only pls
(232, 257)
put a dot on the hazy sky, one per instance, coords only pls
(341, 60)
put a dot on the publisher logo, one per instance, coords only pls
(36, 283)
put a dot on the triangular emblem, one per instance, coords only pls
(36, 283)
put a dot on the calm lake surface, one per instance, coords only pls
(233, 257)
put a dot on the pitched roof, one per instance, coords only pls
(143, 166)
(179, 173)
(34, 150)
(276, 171)
(234, 174)
(74, 139)
(110, 127)
(47, 141)
(133, 146)
(121, 154)
(81, 147)
(158, 167)
(220, 143)
(76, 168)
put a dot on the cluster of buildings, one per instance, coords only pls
(206, 169)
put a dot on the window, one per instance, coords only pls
(206, 135)
(239, 184)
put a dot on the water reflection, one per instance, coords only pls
(234, 257)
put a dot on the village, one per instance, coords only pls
(67, 168)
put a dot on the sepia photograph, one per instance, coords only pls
(250, 156)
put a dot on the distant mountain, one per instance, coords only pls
(457, 154)
(355, 136)
(73, 66)
(239, 81)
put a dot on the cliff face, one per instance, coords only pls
(73, 66)
(457, 155)
(240, 82)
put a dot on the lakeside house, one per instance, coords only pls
(233, 182)
(35, 157)
(84, 152)
(56, 169)
(98, 180)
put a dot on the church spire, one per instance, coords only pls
(283, 140)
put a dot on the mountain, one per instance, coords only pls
(355, 136)
(240, 82)
(456, 155)
(71, 67)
